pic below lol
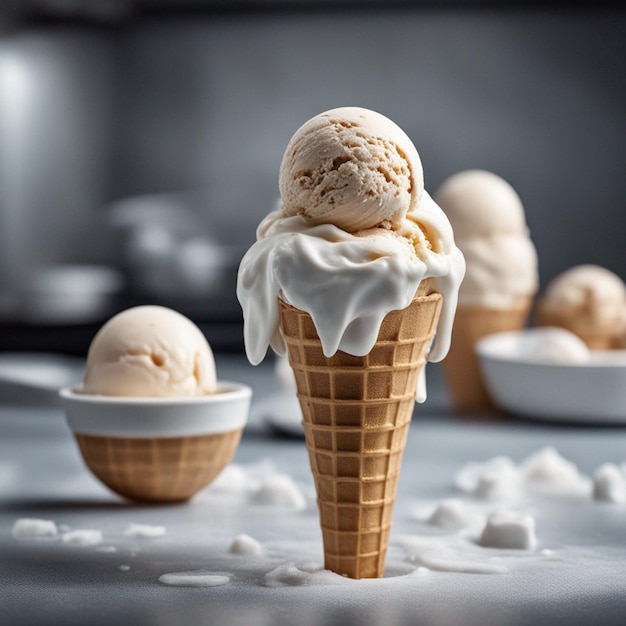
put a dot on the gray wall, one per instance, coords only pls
(537, 97)
(208, 102)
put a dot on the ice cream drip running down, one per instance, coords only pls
(353, 275)
(354, 236)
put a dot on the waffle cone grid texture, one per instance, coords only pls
(356, 414)
(170, 469)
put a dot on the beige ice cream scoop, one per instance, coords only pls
(481, 203)
(350, 167)
(150, 351)
(588, 300)
(490, 229)
(501, 274)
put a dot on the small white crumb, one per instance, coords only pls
(495, 479)
(280, 490)
(106, 549)
(244, 544)
(30, 528)
(609, 484)
(548, 469)
(144, 530)
(124, 568)
(453, 514)
(507, 529)
(199, 578)
(547, 552)
(241, 479)
(86, 537)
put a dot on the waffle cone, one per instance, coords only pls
(156, 469)
(581, 323)
(356, 414)
(461, 366)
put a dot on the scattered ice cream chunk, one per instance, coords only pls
(30, 528)
(244, 544)
(85, 537)
(548, 470)
(144, 530)
(495, 479)
(198, 578)
(124, 568)
(552, 345)
(453, 514)
(609, 483)
(236, 478)
(232, 478)
(280, 490)
(511, 530)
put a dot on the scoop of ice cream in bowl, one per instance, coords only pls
(151, 420)
(588, 300)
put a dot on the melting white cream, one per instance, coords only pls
(448, 555)
(346, 282)
(198, 578)
(292, 575)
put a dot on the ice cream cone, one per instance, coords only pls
(168, 469)
(356, 413)
(596, 335)
(461, 365)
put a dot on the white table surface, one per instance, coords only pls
(42, 476)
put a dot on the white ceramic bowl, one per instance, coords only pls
(591, 392)
(158, 449)
(113, 416)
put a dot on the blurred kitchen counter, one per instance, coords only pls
(42, 476)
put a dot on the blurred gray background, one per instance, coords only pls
(140, 140)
